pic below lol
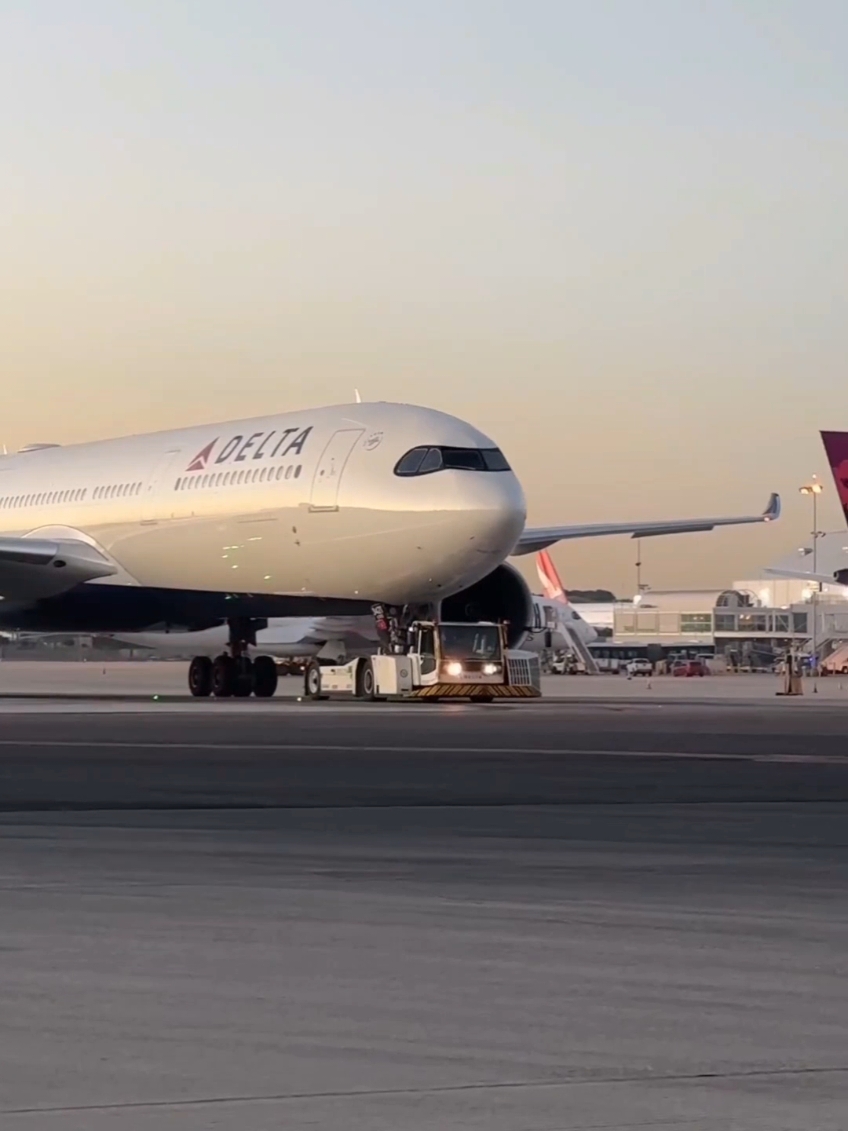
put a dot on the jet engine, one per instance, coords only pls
(503, 595)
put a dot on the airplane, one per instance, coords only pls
(345, 510)
(570, 628)
(565, 630)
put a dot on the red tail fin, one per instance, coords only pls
(551, 584)
(836, 446)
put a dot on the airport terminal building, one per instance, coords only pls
(752, 624)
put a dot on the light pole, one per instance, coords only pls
(640, 586)
(814, 489)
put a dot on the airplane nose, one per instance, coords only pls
(495, 512)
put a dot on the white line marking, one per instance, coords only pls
(338, 748)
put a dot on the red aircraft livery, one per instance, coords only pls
(259, 445)
(836, 446)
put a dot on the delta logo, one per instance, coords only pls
(202, 458)
(260, 445)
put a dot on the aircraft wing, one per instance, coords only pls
(538, 538)
(800, 575)
(33, 568)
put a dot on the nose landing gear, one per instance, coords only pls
(233, 674)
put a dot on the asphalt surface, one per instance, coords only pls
(140, 680)
(383, 918)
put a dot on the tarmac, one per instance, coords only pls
(579, 913)
(143, 679)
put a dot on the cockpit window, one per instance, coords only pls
(495, 459)
(410, 464)
(463, 459)
(423, 461)
(432, 461)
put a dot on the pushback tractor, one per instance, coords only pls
(438, 661)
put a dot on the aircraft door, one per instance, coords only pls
(328, 473)
(158, 497)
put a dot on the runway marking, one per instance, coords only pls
(339, 748)
(439, 1090)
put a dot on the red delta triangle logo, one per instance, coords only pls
(202, 458)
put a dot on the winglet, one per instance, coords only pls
(772, 511)
(836, 446)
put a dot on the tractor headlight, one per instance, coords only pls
(454, 668)
(490, 669)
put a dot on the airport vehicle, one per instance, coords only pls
(639, 666)
(564, 663)
(612, 659)
(325, 512)
(438, 661)
(836, 663)
(689, 668)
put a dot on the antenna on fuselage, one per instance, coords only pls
(358, 397)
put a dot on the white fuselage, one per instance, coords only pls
(301, 504)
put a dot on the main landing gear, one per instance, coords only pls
(233, 674)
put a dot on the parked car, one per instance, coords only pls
(563, 663)
(639, 666)
(689, 668)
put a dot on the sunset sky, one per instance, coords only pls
(611, 234)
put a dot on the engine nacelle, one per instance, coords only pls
(503, 595)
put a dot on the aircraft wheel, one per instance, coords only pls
(243, 686)
(312, 681)
(223, 677)
(200, 677)
(264, 677)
